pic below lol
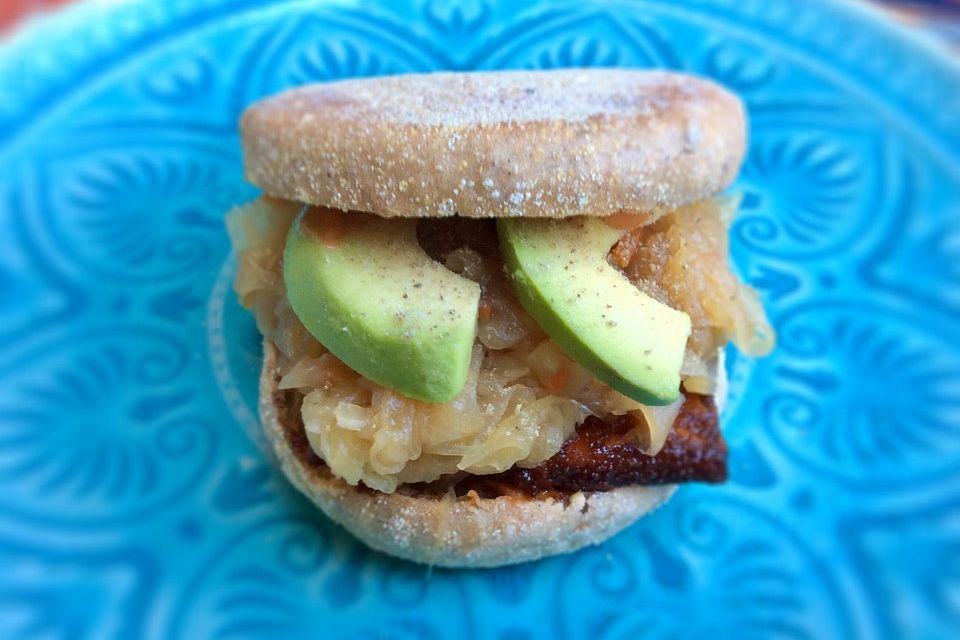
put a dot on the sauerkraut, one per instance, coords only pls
(683, 259)
(524, 396)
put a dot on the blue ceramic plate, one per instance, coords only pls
(137, 499)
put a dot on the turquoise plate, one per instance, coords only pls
(137, 497)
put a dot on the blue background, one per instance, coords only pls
(137, 498)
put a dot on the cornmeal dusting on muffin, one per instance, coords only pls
(620, 141)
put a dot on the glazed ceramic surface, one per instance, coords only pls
(138, 498)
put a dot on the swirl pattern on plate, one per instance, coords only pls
(60, 442)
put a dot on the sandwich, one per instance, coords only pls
(494, 305)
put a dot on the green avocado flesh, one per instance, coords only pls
(561, 276)
(370, 295)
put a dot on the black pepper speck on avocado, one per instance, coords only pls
(357, 302)
(563, 279)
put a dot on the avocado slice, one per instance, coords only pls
(367, 291)
(560, 273)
